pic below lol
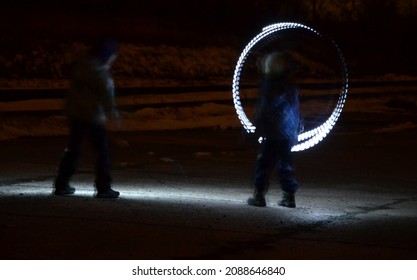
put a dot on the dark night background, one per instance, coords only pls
(181, 160)
(377, 37)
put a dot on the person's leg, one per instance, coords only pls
(286, 175)
(264, 164)
(70, 159)
(103, 177)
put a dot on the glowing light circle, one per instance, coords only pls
(306, 139)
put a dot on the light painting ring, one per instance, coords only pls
(309, 138)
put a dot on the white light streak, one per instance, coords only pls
(306, 139)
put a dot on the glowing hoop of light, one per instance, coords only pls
(306, 139)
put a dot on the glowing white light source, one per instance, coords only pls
(306, 139)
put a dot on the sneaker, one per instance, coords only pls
(288, 200)
(257, 200)
(108, 194)
(64, 191)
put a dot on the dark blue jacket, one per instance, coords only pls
(277, 114)
(91, 93)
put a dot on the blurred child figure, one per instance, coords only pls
(90, 100)
(277, 122)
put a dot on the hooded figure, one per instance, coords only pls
(277, 122)
(90, 100)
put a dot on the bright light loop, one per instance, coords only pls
(306, 139)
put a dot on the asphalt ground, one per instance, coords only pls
(183, 196)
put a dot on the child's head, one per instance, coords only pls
(275, 64)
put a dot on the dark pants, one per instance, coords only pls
(98, 135)
(275, 154)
